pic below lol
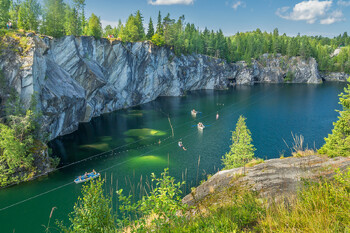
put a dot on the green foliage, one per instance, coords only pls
(158, 40)
(240, 214)
(16, 148)
(289, 76)
(242, 149)
(109, 31)
(319, 207)
(28, 15)
(158, 209)
(94, 27)
(159, 28)
(92, 212)
(13, 13)
(150, 31)
(71, 24)
(338, 143)
(79, 6)
(53, 18)
(4, 12)
(133, 30)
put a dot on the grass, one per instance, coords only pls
(321, 206)
(254, 162)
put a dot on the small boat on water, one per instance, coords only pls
(200, 126)
(87, 177)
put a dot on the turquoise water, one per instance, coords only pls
(272, 112)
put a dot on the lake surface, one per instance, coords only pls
(133, 135)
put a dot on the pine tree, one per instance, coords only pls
(139, 25)
(159, 29)
(4, 12)
(338, 143)
(71, 24)
(242, 149)
(150, 31)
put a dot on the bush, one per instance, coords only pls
(289, 76)
(92, 212)
(158, 40)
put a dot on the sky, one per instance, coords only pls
(312, 17)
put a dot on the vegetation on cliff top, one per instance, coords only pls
(57, 18)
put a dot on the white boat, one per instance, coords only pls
(84, 178)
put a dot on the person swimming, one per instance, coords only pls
(217, 116)
(194, 112)
(181, 145)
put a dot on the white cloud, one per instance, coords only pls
(333, 17)
(343, 3)
(309, 11)
(170, 2)
(238, 4)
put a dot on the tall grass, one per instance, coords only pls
(320, 207)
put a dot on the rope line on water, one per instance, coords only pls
(108, 168)
(105, 153)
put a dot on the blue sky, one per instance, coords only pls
(309, 17)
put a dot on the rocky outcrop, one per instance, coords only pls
(334, 76)
(273, 178)
(77, 78)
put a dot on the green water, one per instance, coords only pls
(272, 111)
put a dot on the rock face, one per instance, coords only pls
(272, 178)
(333, 76)
(77, 78)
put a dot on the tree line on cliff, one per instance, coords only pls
(57, 18)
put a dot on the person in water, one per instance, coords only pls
(181, 145)
(200, 124)
(193, 111)
(93, 171)
(217, 116)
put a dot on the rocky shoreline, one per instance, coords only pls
(77, 78)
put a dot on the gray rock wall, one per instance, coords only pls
(77, 78)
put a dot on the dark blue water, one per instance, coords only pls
(273, 112)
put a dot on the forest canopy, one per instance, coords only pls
(59, 18)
